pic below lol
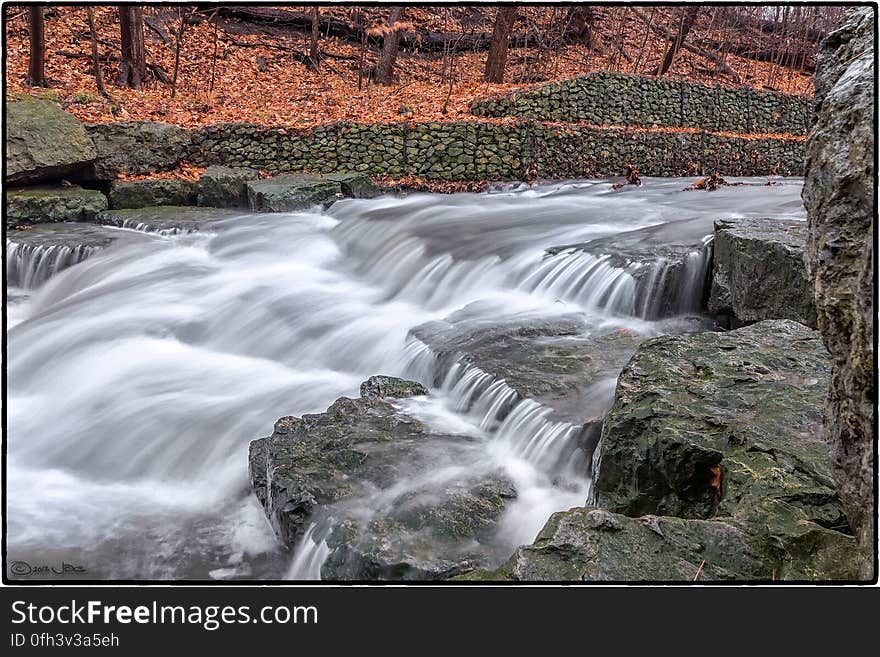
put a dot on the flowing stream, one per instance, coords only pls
(139, 372)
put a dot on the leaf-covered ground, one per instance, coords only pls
(285, 92)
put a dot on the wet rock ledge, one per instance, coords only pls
(711, 464)
(330, 478)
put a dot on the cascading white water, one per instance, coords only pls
(138, 378)
(30, 265)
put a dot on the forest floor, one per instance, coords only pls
(255, 76)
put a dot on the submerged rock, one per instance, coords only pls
(137, 147)
(759, 272)
(301, 191)
(151, 192)
(44, 143)
(839, 194)
(166, 219)
(31, 205)
(339, 470)
(224, 187)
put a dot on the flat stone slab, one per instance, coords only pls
(31, 205)
(760, 272)
(167, 219)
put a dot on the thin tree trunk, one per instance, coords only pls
(314, 55)
(385, 68)
(37, 62)
(688, 17)
(133, 67)
(178, 43)
(497, 58)
(99, 81)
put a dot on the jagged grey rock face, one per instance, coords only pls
(591, 544)
(137, 147)
(151, 192)
(712, 454)
(44, 143)
(323, 466)
(839, 197)
(32, 205)
(759, 272)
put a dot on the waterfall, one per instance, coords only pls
(30, 265)
(137, 379)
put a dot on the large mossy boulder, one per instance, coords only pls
(342, 470)
(702, 422)
(711, 462)
(759, 272)
(137, 148)
(32, 205)
(839, 194)
(44, 143)
(151, 192)
(224, 187)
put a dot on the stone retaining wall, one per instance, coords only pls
(603, 98)
(484, 151)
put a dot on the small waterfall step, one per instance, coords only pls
(559, 362)
(168, 219)
(35, 254)
(654, 272)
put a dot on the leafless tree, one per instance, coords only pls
(133, 65)
(388, 56)
(688, 17)
(37, 62)
(497, 58)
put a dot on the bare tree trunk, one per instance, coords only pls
(314, 55)
(178, 42)
(133, 66)
(688, 17)
(37, 62)
(385, 68)
(99, 81)
(498, 50)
